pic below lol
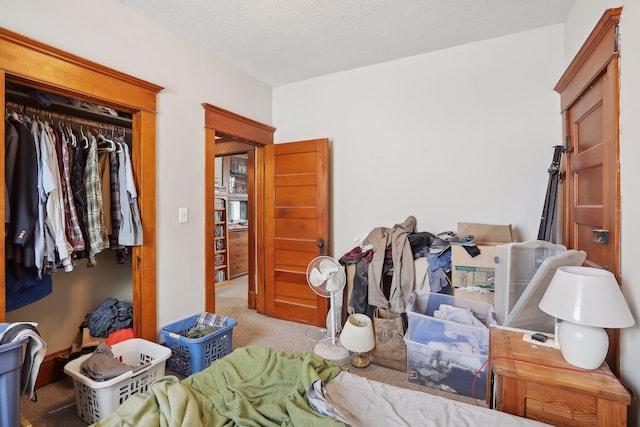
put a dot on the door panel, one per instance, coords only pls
(589, 96)
(586, 172)
(296, 218)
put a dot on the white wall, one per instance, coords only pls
(581, 20)
(459, 135)
(108, 33)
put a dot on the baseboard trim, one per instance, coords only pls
(52, 368)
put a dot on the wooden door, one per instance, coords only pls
(590, 105)
(296, 228)
(591, 169)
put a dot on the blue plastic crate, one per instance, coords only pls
(10, 361)
(191, 355)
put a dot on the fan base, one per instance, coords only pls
(328, 350)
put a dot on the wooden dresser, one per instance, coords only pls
(238, 251)
(534, 381)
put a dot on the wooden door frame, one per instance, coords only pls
(256, 134)
(599, 54)
(44, 67)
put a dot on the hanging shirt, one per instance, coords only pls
(131, 226)
(38, 235)
(74, 233)
(105, 186)
(78, 162)
(55, 238)
(93, 214)
(116, 211)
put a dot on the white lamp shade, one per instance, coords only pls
(357, 334)
(586, 296)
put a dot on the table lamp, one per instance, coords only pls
(357, 337)
(585, 300)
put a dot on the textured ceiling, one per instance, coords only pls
(283, 41)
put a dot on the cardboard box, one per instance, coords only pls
(479, 270)
(482, 295)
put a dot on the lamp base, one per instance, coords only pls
(583, 346)
(360, 360)
(330, 351)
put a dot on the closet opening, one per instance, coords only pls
(30, 63)
(73, 259)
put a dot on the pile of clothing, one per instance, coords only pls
(102, 365)
(390, 263)
(110, 315)
(207, 323)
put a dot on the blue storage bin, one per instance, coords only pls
(191, 355)
(10, 361)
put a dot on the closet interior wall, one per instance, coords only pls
(75, 293)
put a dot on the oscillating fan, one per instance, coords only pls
(326, 278)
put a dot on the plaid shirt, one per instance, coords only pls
(74, 233)
(93, 214)
(116, 213)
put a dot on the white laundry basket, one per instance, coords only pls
(97, 399)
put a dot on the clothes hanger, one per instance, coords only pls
(84, 138)
(111, 146)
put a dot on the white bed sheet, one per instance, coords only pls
(363, 402)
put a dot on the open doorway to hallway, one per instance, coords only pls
(232, 244)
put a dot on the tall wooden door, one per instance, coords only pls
(590, 105)
(592, 170)
(296, 227)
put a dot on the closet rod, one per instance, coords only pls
(68, 109)
(45, 114)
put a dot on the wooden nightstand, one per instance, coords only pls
(534, 381)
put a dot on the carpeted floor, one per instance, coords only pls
(56, 402)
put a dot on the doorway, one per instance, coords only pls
(227, 133)
(288, 215)
(231, 186)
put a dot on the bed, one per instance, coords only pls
(258, 386)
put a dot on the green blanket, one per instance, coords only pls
(252, 386)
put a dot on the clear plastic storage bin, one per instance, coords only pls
(516, 264)
(444, 354)
(523, 273)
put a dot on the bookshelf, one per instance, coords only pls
(221, 241)
(238, 175)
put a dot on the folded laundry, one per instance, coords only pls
(202, 332)
(457, 314)
(102, 365)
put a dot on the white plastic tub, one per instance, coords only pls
(97, 399)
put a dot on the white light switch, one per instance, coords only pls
(183, 215)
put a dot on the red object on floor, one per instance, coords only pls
(119, 336)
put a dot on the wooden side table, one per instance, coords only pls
(534, 381)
